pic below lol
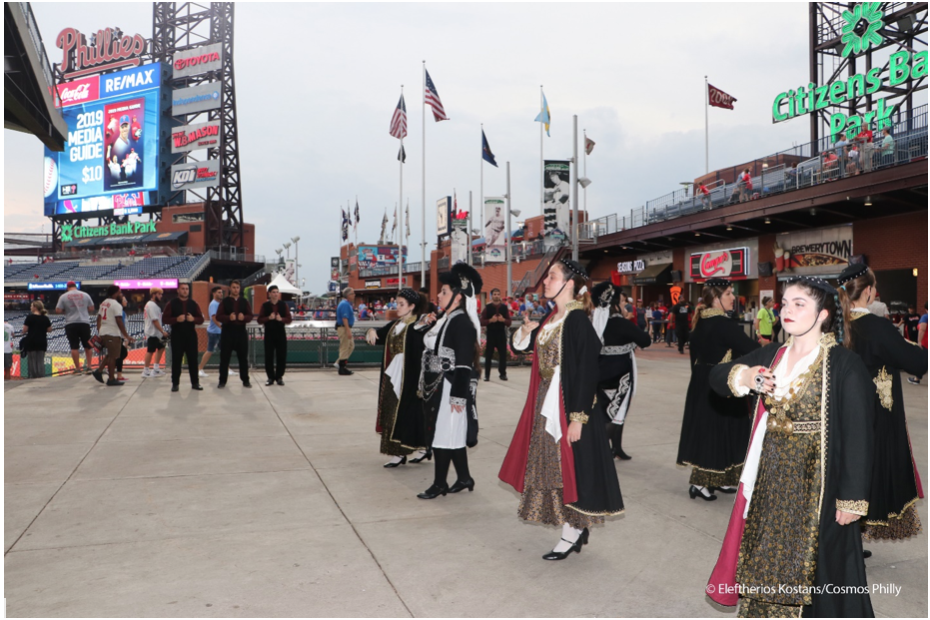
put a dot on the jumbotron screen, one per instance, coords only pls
(110, 161)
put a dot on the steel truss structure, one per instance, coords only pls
(905, 27)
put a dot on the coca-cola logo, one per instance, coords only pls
(79, 91)
(184, 63)
(70, 95)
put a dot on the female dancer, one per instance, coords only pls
(715, 430)
(400, 412)
(449, 378)
(558, 461)
(617, 362)
(895, 482)
(793, 543)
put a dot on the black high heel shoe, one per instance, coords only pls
(463, 484)
(623, 456)
(722, 490)
(584, 536)
(561, 555)
(695, 492)
(403, 461)
(433, 492)
(426, 457)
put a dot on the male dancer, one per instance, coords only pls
(496, 318)
(274, 315)
(183, 315)
(234, 314)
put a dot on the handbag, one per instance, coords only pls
(23, 351)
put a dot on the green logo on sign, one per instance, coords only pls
(67, 232)
(860, 30)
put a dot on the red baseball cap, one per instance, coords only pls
(71, 283)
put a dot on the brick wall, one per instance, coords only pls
(896, 242)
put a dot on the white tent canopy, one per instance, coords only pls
(284, 286)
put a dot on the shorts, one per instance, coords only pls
(212, 341)
(154, 343)
(7, 361)
(78, 333)
(114, 346)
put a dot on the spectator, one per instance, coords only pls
(530, 307)
(682, 323)
(112, 331)
(852, 160)
(705, 196)
(670, 328)
(765, 321)
(362, 311)
(7, 350)
(921, 340)
(213, 329)
(36, 328)
(830, 166)
(791, 176)
(641, 317)
(887, 147)
(155, 334)
(77, 306)
(657, 319)
(911, 323)
(345, 319)
(745, 186)
(864, 141)
(878, 307)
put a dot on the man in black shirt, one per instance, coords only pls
(911, 323)
(183, 315)
(496, 318)
(234, 314)
(682, 324)
(274, 315)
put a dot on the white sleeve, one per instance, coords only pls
(522, 343)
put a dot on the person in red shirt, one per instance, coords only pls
(705, 196)
(745, 186)
(864, 140)
(830, 166)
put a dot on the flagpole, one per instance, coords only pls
(400, 201)
(585, 171)
(423, 188)
(542, 165)
(468, 260)
(356, 222)
(706, 127)
(481, 187)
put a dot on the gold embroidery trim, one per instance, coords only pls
(709, 312)
(883, 387)
(806, 427)
(731, 378)
(727, 358)
(578, 417)
(853, 506)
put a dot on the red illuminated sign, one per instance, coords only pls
(732, 263)
(78, 91)
(108, 49)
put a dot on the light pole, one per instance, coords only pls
(287, 246)
(507, 252)
(296, 259)
(575, 187)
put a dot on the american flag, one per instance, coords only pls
(432, 99)
(399, 120)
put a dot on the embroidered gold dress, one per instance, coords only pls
(400, 414)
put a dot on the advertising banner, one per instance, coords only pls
(728, 263)
(557, 195)
(443, 215)
(195, 174)
(112, 146)
(814, 252)
(49, 286)
(495, 236)
(198, 98)
(459, 245)
(135, 285)
(198, 60)
(194, 137)
(372, 256)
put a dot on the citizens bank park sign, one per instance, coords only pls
(193, 137)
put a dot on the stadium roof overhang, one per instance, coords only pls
(891, 191)
(28, 82)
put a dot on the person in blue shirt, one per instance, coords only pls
(345, 319)
(213, 328)
(656, 316)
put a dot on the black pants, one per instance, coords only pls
(234, 340)
(275, 356)
(183, 344)
(123, 354)
(682, 339)
(495, 342)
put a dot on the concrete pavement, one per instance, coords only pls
(272, 501)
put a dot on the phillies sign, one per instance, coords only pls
(194, 137)
(732, 263)
(108, 49)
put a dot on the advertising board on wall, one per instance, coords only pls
(195, 174)
(188, 138)
(825, 251)
(557, 195)
(372, 256)
(443, 215)
(112, 146)
(198, 98)
(198, 60)
(726, 263)
(495, 236)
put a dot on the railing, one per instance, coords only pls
(530, 278)
(785, 171)
(235, 256)
(199, 266)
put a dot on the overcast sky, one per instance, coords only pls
(317, 85)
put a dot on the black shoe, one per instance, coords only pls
(426, 457)
(433, 492)
(221, 384)
(561, 555)
(114, 383)
(247, 385)
(345, 371)
(623, 456)
(584, 536)
(722, 490)
(175, 387)
(269, 382)
(487, 378)
(279, 381)
(197, 387)
(866, 553)
(98, 375)
(461, 485)
(504, 378)
(695, 492)
(913, 380)
(403, 461)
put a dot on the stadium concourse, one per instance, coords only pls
(273, 502)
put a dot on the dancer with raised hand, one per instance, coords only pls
(895, 481)
(714, 430)
(449, 378)
(793, 546)
(559, 459)
(400, 411)
(617, 362)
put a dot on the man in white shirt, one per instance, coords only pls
(112, 332)
(77, 306)
(878, 307)
(155, 333)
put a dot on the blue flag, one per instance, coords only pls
(543, 116)
(486, 150)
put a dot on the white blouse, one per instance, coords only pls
(550, 408)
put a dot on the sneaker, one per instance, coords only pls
(147, 373)
(913, 380)
(98, 375)
(203, 374)
(114, 383)
(175, 387)
(158, 372)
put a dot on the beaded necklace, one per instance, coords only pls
(778, 408)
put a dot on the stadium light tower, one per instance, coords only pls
(296, 258)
